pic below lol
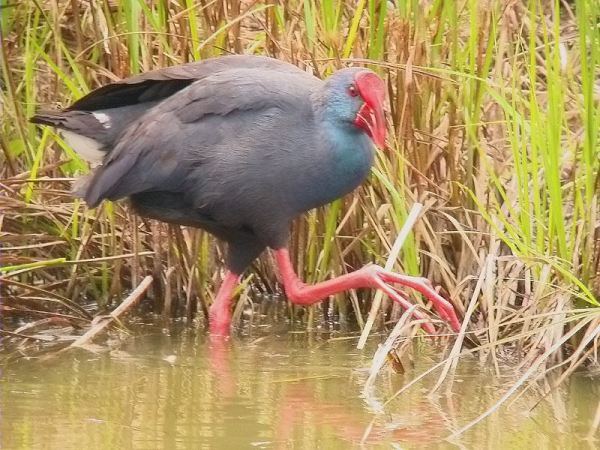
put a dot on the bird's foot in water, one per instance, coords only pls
(219, 314)
(219, 320)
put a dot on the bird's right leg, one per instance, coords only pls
(368, 277)
(220, 310)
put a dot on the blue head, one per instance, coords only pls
(354, 97)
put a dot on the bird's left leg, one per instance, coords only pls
(242, 249)
(368, 277)
(220, 310)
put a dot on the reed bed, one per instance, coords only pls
(494, 119)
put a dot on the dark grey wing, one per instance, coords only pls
(159, 84)
(104, 113)
(158, 151)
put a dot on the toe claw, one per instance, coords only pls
(443, 307)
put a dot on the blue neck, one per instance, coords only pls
(353, 153)
(348, 155)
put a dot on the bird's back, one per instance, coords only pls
(93, 123)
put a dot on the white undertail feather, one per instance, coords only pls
(104, 119)
(87, 148)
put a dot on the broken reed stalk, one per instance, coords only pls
(389, 264)
(380, 358)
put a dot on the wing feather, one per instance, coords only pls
(158, 151)
(162, 83)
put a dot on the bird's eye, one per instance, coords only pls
(352, 90)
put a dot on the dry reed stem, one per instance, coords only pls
(127, 304)
(412, 218)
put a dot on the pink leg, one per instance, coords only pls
(220, 310)
(368, 277)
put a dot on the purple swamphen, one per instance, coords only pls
(238, 146)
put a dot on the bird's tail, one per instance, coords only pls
(52, 118)
(82, 130)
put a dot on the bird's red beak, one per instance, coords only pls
(370, 116)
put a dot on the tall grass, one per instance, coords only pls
(494, 111)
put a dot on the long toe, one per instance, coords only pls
(424, 286)
(398, 297)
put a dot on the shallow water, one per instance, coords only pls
(293, 391)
